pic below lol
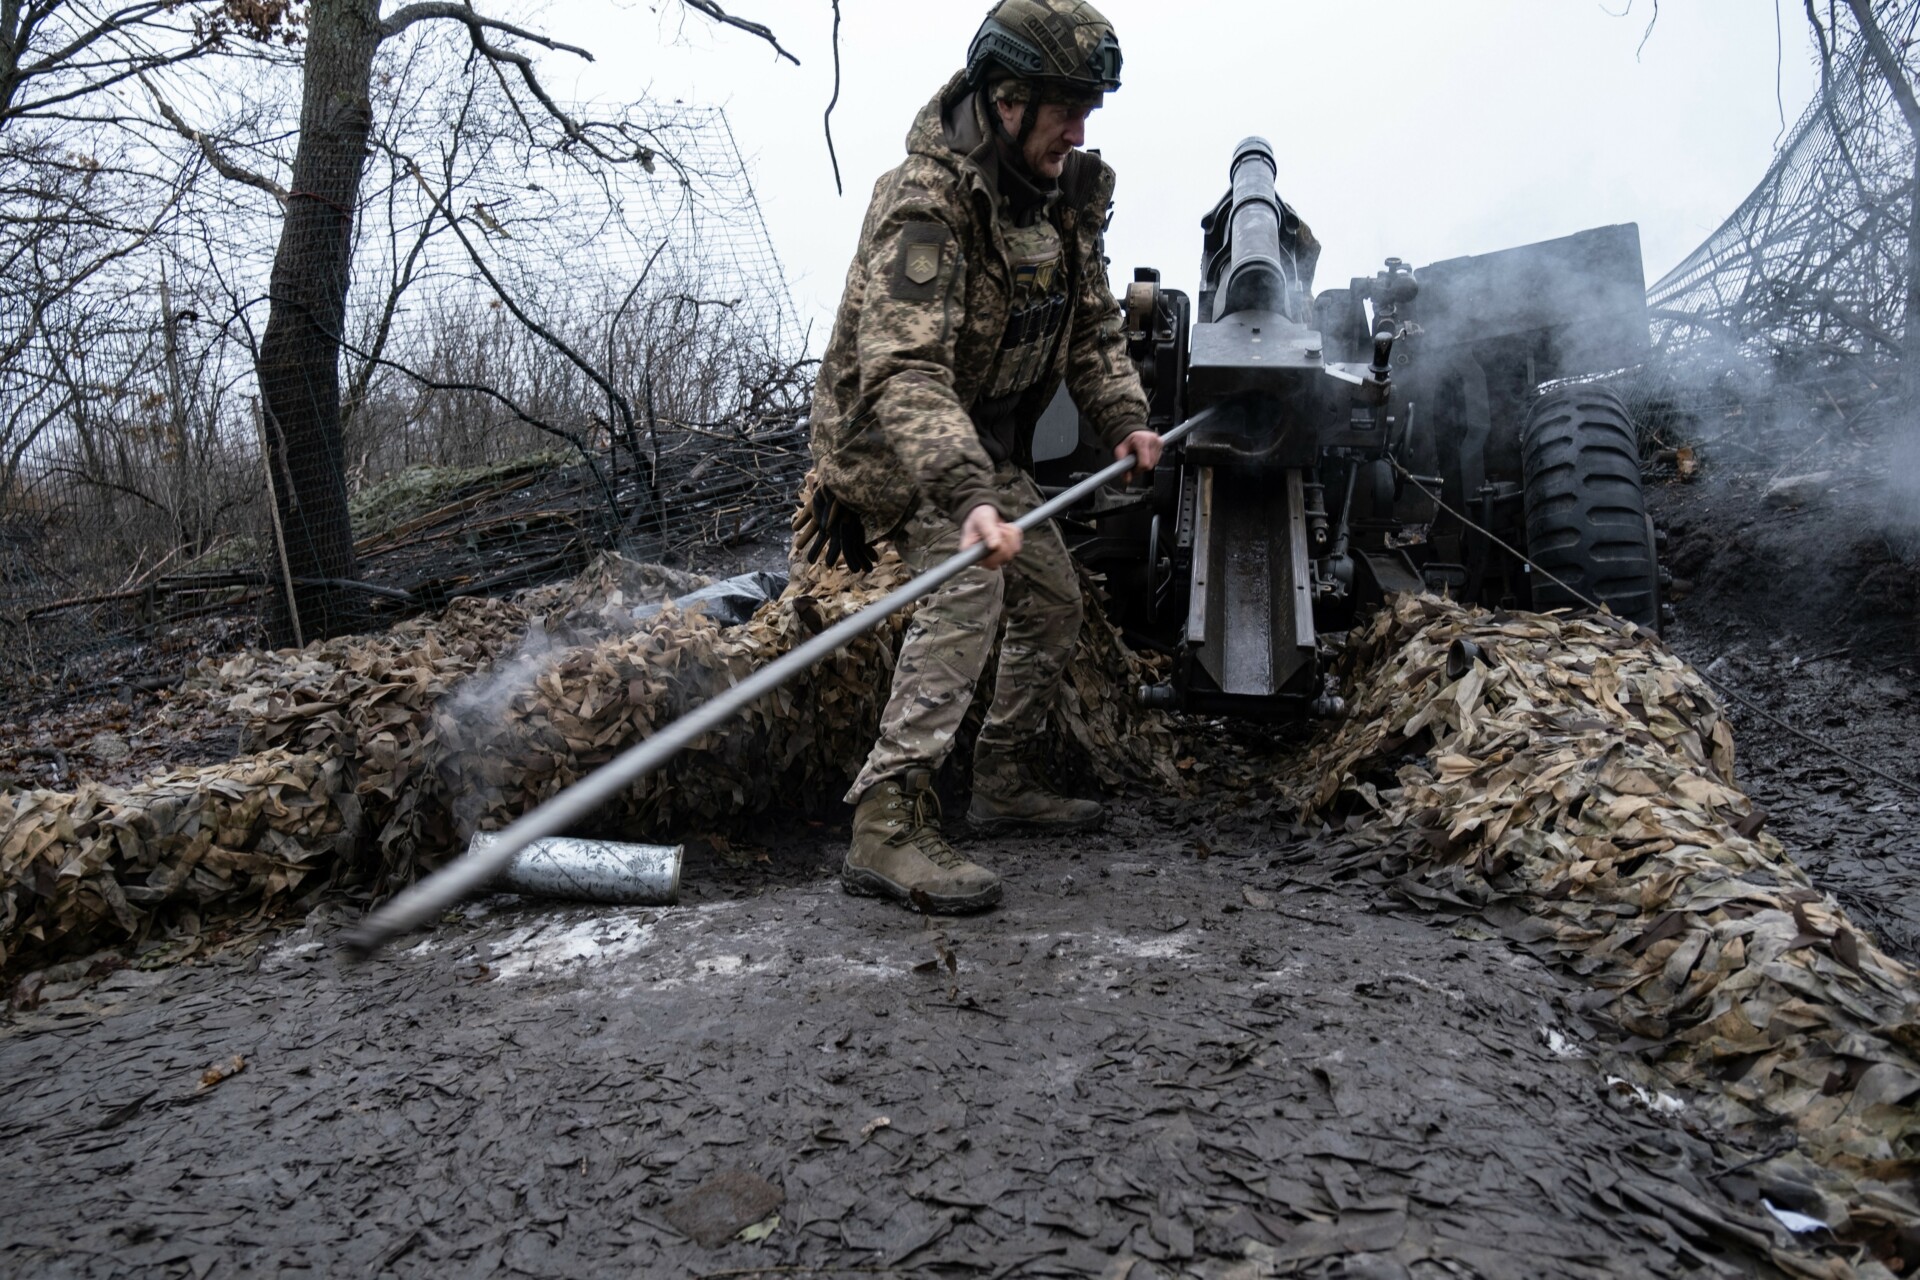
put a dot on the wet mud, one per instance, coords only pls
(1181, 1047)
(1148, 1062)
(1811, 614)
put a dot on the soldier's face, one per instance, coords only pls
(1059, 129)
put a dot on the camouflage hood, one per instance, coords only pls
(926, 305)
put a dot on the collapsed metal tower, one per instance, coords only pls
(1814, 263)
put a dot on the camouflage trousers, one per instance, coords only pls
(951, 636)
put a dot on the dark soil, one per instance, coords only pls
(1834, 576)
(1176, 1049)
(1810, 615)
(1196, 1063)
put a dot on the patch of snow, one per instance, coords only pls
(1661, 1104)
(596, 938)
(1452, 995)
(1560, 1045)
(1798, 1223)
(1167, 946)
(1101, 950)
(717, 966)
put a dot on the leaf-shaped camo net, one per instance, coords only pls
(1569, 779)
(1578, 771)
(379, 756)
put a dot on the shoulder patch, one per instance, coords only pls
(916, 270)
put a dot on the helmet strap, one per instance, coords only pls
(1016, 142)
(1028, 119)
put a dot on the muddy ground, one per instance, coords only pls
(1179, 1048)
(1199, 1063)
(1809, 610)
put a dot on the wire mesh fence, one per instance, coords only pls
(1812, 269)
(522, 341)
(1787, 326)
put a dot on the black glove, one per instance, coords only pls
(825, 528)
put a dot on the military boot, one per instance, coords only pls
(898, 851)
(1011, 789)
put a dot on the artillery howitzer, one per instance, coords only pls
(1389, 436)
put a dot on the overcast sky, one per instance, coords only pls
(1422, 129)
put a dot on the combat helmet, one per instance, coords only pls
(1064, 46)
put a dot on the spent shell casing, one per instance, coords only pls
(591, 870)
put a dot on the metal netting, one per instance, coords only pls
(1812, 268)
(554, 341)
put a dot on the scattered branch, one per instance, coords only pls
(474, 21)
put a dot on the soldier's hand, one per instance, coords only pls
(983, 524)
(826, 528)
(1145, 447)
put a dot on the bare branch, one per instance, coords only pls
(476, 22)
(712, 9)
(221, 164)
(834, 102)
(478, 25)
(527, 321)
(1888, 62)
(1644, 35)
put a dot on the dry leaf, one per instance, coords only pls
(219, 1071)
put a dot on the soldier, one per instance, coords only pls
(979, 284)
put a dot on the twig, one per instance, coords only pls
(279, 530)
(965, 1008)
(1841, 652)
(1804, 736)
(835, 101)
(350, 584)
(713, 10)
(222, 164)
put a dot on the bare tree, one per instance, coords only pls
(300, 351)
(66, 131)
(148, 153)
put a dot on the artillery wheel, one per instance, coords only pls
(1586, 513)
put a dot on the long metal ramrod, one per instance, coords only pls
(477, 868)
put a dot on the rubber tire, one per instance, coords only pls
(1586, 512)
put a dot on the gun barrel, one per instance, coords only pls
(1255, 279)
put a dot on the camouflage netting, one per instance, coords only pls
(1574, 781)
(227, 844)
(1570, 781)
(458, 723)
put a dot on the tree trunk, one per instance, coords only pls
(299, 362)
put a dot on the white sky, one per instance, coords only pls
(1423, 129)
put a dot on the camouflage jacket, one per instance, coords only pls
(926, 307)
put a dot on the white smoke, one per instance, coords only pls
(1901, 481)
